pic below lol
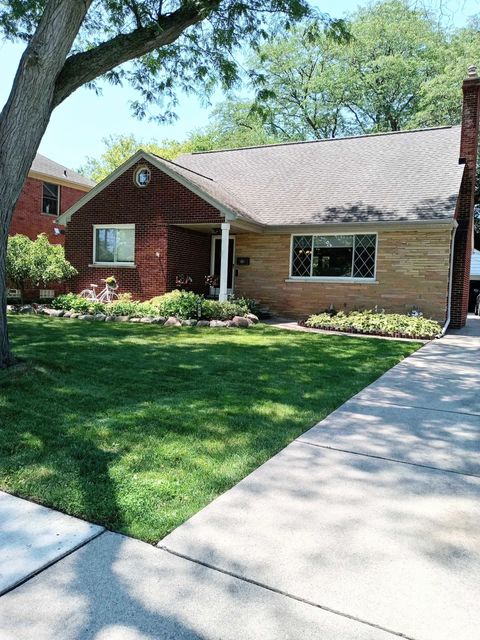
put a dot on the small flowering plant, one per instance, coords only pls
(212, 281)
(183, 280)
(111, 282)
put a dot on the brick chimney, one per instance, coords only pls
(464, 212)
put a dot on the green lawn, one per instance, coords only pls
(138, 427)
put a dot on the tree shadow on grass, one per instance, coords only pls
(137, 428)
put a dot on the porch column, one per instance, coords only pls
(224, 262)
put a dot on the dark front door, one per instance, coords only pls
(217, 256)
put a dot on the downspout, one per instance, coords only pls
(450, 279)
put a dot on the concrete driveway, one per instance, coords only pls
(366, 527)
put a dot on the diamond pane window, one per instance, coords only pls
(334, 256)
(301, 256)
(364, 256)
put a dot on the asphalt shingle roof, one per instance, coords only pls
(44, 165)
(404, 176)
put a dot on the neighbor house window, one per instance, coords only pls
(334, 256)
(114, 244)
(51, 198)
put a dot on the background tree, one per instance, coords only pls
(31, 263)
(170, 44)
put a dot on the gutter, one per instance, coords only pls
(450, 279)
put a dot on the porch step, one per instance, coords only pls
(264, 313)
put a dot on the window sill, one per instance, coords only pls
(50, 215)
(334, 280)
(113, 265)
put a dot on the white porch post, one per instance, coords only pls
(224, 262)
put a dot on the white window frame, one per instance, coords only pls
(112, 264)
(59, 187)
(312, 278)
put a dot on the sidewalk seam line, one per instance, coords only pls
(372, 455)
(52, 562)
(262, 585)
(403, 406)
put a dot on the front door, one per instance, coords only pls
(215, 264)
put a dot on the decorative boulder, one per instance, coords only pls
(54, 313)
(189, 323)
(252, 317)
(67, 314)
(11, 308)
(172, 322)
(240, 321)
(85, 316)
(203, 323)
(135, 320)
(147, 320)
(217, 323)
(74, 314)
(99, 317)
(159, 320)
(26, 308)
(110, 319)
(122, 318)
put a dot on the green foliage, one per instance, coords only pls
(216, 310)
(182, 304)
(125, 307)
(385, 324)
(74, 302)
(151, 425)
(36, 262)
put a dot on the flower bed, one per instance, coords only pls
(393, 325)
(177, 308)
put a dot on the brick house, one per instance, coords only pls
(49, 190)
(353, 222)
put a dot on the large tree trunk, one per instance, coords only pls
(25, 117)
(46, 77)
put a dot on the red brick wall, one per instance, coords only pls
(154, 210)
(465, 205)
(28, 218)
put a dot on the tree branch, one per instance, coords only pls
(84, 67)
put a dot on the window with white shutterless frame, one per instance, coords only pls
(114, 244)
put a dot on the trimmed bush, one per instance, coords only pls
(73, 302)
(181, 304)
(384, 324)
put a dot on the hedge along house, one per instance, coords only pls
(353, 222)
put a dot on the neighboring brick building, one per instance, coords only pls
(50, 189)
(381, 220)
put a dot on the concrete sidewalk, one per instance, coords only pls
(364, 528)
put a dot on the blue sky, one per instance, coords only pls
(78, 126)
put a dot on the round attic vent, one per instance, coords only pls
(142, 176)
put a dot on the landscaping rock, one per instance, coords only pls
(11, 308)
(27, 308)
(85, 316)
(203, 323)
(252, 317)
(217, 323)
(99, 317)
(110, 319)
(54, 313)
(159, 320)
(135, 320)
(189, 323)
(74, 314)
(122, 318)
(67, 314)
(147, 320)
(240, 321)
(172, 322)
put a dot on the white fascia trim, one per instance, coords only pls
(65, 217)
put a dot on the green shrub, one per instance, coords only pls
(182, 304)
(215, 310)
(73, 302)
(127, 307)
(384, 324)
